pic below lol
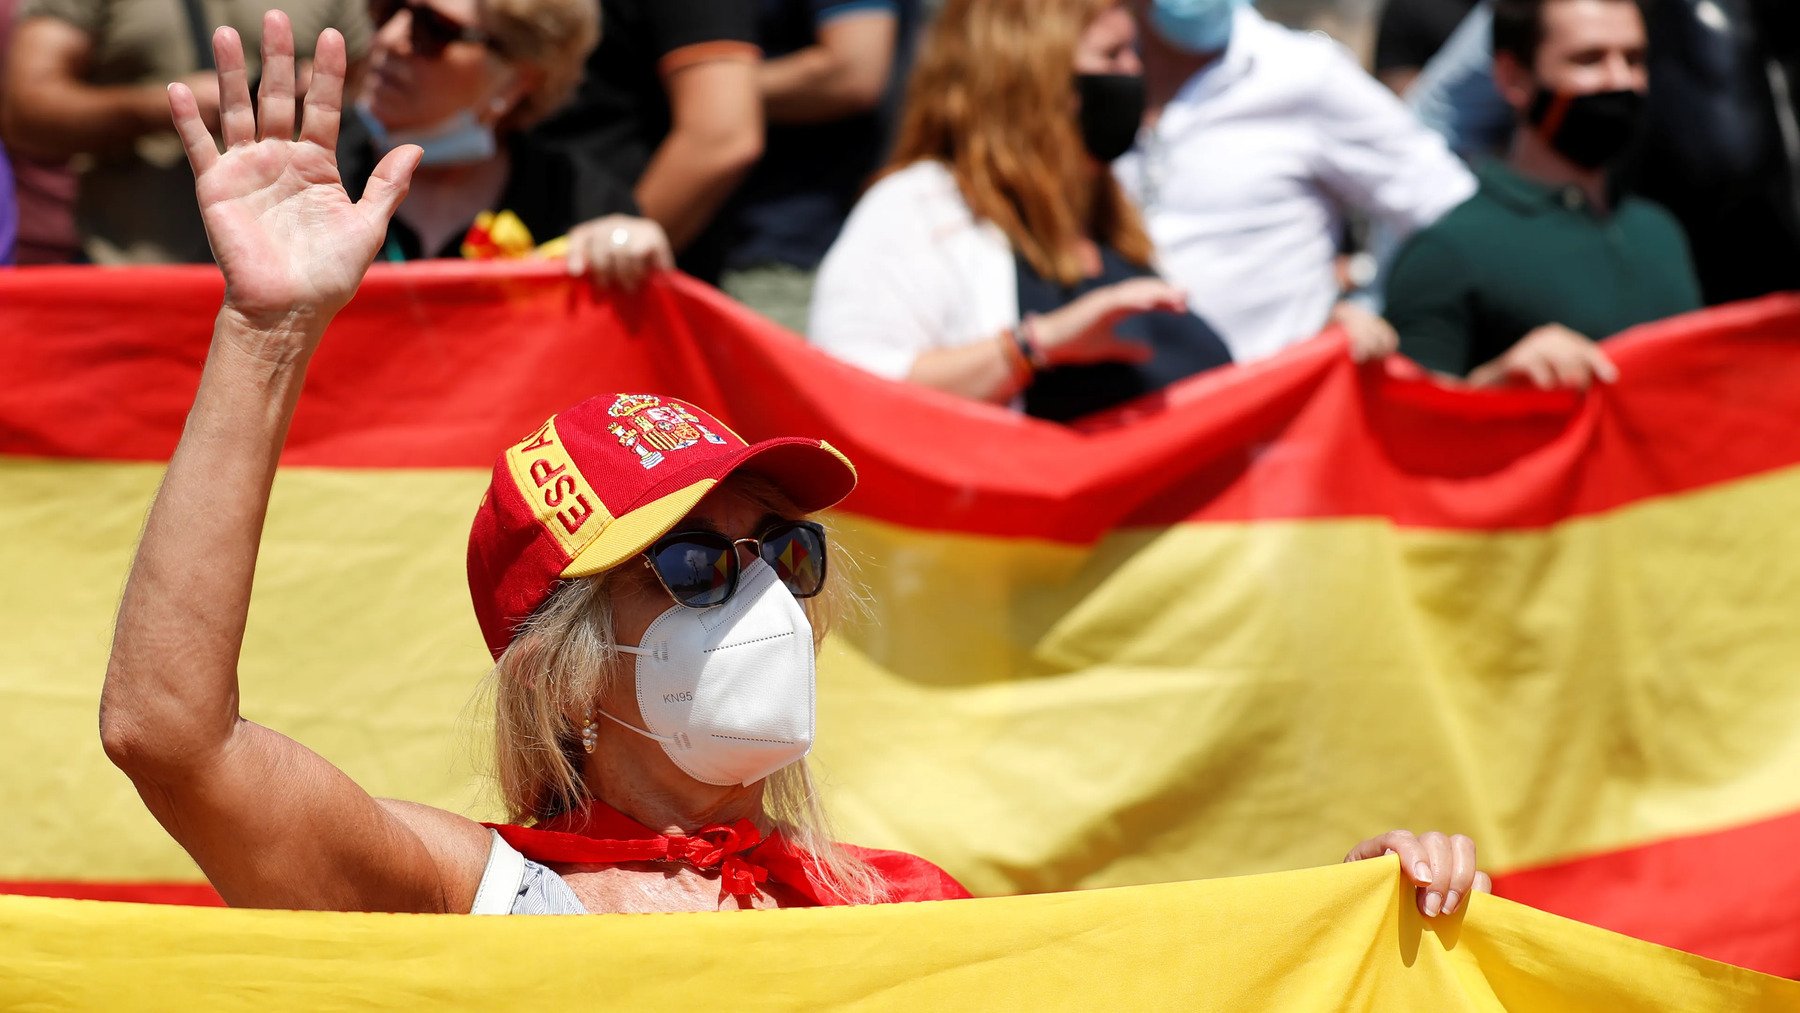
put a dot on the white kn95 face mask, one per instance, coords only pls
(729, 691)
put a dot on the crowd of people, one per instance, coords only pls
(654, 628)
(1057, 205)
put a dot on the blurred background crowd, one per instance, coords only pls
(1059, 205)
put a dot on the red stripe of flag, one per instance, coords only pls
(443, 365)
(1727, 895)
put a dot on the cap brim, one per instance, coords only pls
(811, 473)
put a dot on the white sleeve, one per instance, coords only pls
(500, 881)
(1375, 154)
(881, 296)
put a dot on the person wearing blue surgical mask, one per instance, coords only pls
(1195, 26)
(1258, 141)
(463, 80)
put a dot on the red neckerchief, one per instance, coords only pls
(600, 834)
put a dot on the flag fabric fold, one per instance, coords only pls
(1274, 610)
(1334, 938)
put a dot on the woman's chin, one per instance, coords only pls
(401, 121)
(398, 111)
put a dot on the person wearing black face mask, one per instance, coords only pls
(1517, 283)
(1112, 106)
(996, 257)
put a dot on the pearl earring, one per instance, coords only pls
(590, 733)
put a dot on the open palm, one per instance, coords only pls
(288, 238)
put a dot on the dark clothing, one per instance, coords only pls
(1412, 31)
(549, 191)
(1520, 254)
(1183, 345)
(620, 114)
(791, 206)
(1716, 154)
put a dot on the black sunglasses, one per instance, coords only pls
(699, 569)
(431, 31)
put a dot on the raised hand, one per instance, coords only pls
(291, 243)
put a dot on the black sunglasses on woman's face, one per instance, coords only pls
(431, 31)
(700, 569)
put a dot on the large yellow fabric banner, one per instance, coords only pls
(1344, 937)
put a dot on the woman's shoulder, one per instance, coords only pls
(923, 193)
(926, 177)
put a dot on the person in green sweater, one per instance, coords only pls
(1517, 283)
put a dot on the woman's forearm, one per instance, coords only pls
(171, 685)
(982, 370)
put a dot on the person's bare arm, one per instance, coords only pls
(1081, 332)
(981, 371)
(716, 135)
(271, 823)
(49, 111)
(844, 73)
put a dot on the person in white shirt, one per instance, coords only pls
(997, 258)
(1257, 139)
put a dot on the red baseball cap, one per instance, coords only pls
(596, 484)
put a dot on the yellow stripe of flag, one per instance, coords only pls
(1344, 937)
(1262, 709)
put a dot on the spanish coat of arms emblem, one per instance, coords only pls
(651, 428)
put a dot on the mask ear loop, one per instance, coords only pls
(626, 724)
(590, 732)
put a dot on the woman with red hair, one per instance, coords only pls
(996, 257)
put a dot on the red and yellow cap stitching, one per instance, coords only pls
(561, 499)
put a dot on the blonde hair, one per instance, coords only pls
(564, 659)
(553, 37)
(992, 96)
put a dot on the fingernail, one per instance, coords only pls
(1450, 900)
(1422, 872)
(1431, 905)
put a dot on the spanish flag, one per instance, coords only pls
(1340, 938)
(1280, 608)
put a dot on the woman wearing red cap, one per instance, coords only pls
(630, 533)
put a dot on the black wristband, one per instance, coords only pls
(1023, 344)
